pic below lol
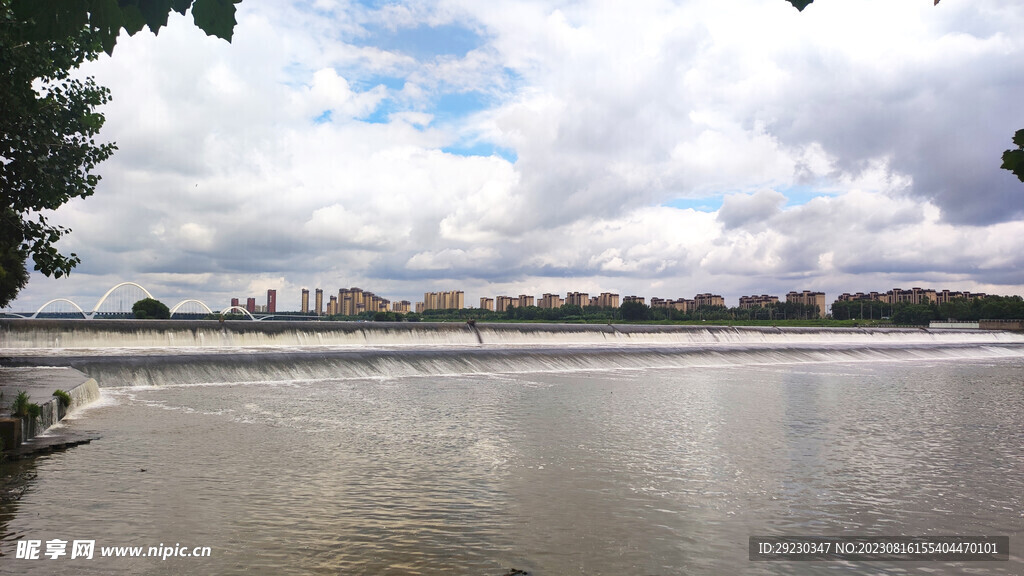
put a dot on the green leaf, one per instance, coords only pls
(1013, 160)
(215, 17)
(155, 13)
(105, 16)
(1018, 138)
(800, 4)
(181, 6)
(133, 19)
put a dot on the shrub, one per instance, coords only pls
(64, 397)
(20, 406)
(33, 410)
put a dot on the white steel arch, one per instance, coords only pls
(79, 308)
(240, 309)
(183, 302)
(109, 292)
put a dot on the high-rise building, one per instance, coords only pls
(319, 302)
(605, 300)
(525, 300)
(636, 299)
(487, 304)
(580, 299)
(305, 301)
(503, 303)
(271, 301)
(451, 300)
(551, 301)
(808, 298)
(250, 305)
(401, 307)
(234, 302)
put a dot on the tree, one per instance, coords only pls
(1013, 160)
(633, 311)
(47, 146)
(48, 120)
(150, 309)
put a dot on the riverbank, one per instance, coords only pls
(23, 436)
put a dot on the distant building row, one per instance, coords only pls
(352, 301)
(348, 302)
(912, 296)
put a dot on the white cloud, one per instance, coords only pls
(893, 114)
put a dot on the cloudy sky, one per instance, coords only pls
(656, 148)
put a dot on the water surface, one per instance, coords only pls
(622, 471)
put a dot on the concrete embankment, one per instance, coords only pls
(40, 383)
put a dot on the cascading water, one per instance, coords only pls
(132, 353)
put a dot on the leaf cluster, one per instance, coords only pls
(48, 147)
(54, 19)
(1013, 160)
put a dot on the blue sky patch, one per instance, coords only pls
(482, 149)
(800, 195)
(708, 204)
(423, 42)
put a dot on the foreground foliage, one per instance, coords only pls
(48, 120)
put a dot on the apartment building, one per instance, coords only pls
(758, 301)
(304, 306)
(487, 304)
(401, 307)
(681, 304)
(503, 303)
(580, 299)
(636, 299)
(708, 299)
(809, 298)
(605, 300)
(319, 302)
(946, 296)
(551, 301)
(454, 299)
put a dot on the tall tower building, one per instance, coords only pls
(271, 301)
(250, 305)
(234, 302)
(305, 301)
(319, 302)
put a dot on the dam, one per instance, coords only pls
(139, 352)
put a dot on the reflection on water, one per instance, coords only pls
(597, 472)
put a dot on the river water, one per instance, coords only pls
(555, 470)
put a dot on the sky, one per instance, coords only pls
(654, 148)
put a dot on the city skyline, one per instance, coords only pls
(661, 150)
(354, 301)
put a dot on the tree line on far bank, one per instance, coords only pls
(961, 309)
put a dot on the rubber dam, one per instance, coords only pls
(154, 353)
